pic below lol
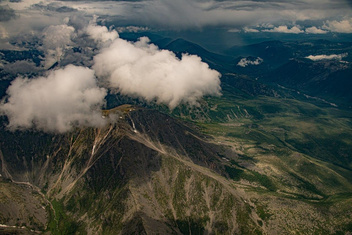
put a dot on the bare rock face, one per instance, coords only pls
(22, 208)
(146, 173)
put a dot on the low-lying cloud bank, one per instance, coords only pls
(63, 99)
(141, 69)
(327, 57)
(284, 29)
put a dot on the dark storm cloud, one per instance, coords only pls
(197, 14)
(6, 13)
(188, 14)
(101, 0)
(53, 7)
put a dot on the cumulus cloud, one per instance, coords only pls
(56, 39)
(343, 26)
(284, 29)
(101, 34)
(63, 99)
(70, 96)
(327, 57)
(140, 69)
(244, 62)
(315, 30)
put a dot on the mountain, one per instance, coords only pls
(325, 79)
(130, 176)
(149, 173)
(277, 53)
(222, 63)
(272, 52)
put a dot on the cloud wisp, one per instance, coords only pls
(56, 39)
(244, 62)
(57, 102)
(296, 29)
(327, 57)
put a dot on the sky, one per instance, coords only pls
(82, 42)
(302, 18)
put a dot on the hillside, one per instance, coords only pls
(324, 79)
(149, 173)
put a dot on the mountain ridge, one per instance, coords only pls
(147, 172)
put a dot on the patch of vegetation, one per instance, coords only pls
(263, 180)
(246, 225)
(262, 212)
(305, 185)
(221, 227)
(60, 223)
(233, 173)
(251, 176)
(192, 225)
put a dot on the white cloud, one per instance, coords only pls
(64, 98)
(57, 36)
(284, 29)
(244, 62)
(70, 96)
(250, 30)
(343, 26)
(56, 39)
(327, 57)
(315, 30)
(140, 69)
(101, 34)
(30, 19)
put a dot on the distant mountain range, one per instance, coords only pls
(330, 80)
